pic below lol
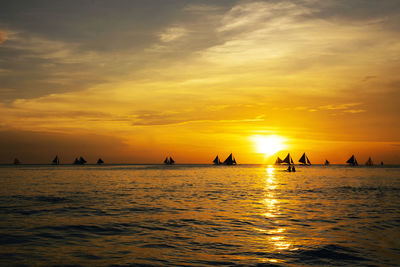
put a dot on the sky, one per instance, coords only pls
(136, 81)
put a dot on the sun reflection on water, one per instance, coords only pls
(277, 236)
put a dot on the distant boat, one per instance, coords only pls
(216, 161)
(327, 162)
(230, 160)
(16, 161)
(278, 161)
(169, 161)
(288, 160)
(100, 161)
(55, 161)
(304, 160)
(369, 162)
(79, 161)
(352, 161)
(381, 163)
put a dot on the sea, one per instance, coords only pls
(199, 215)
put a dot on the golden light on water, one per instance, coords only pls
(268, 144)
(275, 236)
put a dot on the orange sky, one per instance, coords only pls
(133, 83)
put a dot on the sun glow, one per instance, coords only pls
(268, 145)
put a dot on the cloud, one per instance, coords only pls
(339, 107)
(355, 111)
(3, 36)
(172, 34)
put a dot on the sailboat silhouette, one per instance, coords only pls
(169, 161)
(55, 161)
(304, 160)
(278, 161)
(352, 161)
(100, 161)
(288, 160)
(80, 161)
(327, 162)
(369, 162)
(230, 160)
(216, 161)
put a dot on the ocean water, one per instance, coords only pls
(194, 215)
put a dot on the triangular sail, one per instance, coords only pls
(327, 162)
(56, 161)
(303, 159)
(308, 161)
(216, 161)
(288, 159)
(171, 161)
(82, 160)
(230, 160)
(351, 160)
(100, 161)
(278, 161)
(166, 161)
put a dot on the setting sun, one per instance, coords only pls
(268, 145)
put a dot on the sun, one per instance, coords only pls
(268, 144)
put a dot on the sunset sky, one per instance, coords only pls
(135, 81)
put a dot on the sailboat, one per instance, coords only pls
(327, 162)
(16, 161)
(304, 160)
(352, 161)
(79, 161)
(100, 161)
(169, 161)
(55, 161)
(230, 160)
(288, 160)
(278, 161)
(369, 162)
(216, 161)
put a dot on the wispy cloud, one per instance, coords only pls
(3, 36)
(172, 33)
